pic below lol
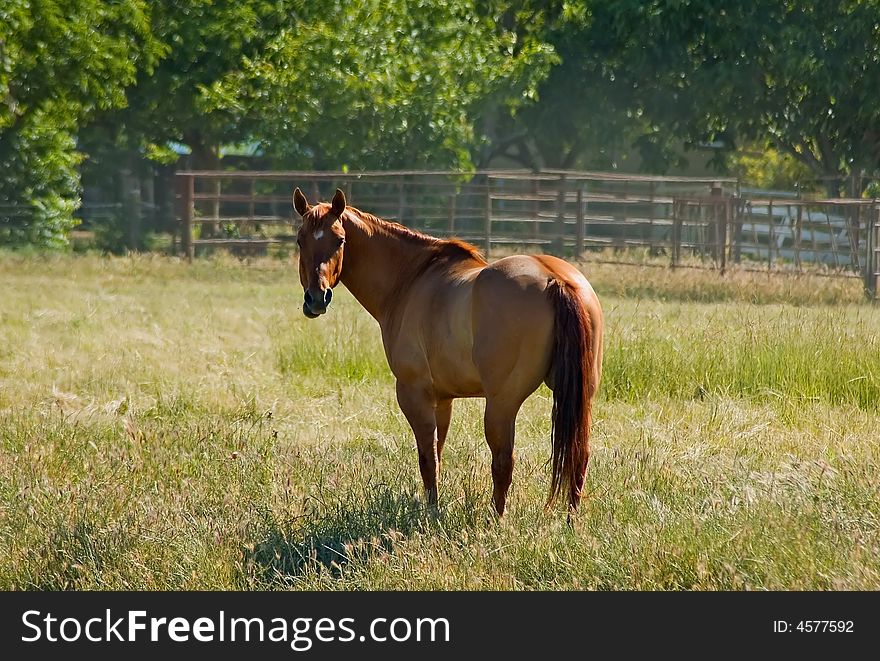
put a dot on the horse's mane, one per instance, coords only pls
(446, 250)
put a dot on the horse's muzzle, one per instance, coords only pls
(316, 306)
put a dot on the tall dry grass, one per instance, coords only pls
(167, 426)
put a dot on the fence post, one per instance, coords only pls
(401, 199)
(855, 230)
(798, 224)
(450, 210)
(771, 238)
(719, 212)
(249, 226)
(176, 211)
(579, 228)
(735, 212)
(738, 210)
(187, 215)
(131, 206)
(725, 233)
(676, 231)
(487, 227)
(875, 280)
(872, 256)
(536, 209)
(815, 241)
(559, 228)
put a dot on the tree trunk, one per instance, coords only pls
(832, 188)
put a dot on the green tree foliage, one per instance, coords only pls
(361, 83)
(372, 84)
(589, 109)
(202, 41)
(60, 62)
(802, 74)
(205, 41)
(39, 185)
(650, 75)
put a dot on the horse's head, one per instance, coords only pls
(321, 241)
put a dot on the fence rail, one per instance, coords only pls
(564, 212)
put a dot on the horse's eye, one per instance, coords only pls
(299, 242)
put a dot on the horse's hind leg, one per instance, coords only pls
(513, 340)
(418, 405)
(500, 422)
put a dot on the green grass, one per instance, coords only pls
(167, 426)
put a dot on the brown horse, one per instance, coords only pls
(455, 326)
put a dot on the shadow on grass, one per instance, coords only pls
(331, 535)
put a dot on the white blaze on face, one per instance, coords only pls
(318, 234)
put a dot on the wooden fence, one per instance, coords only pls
(567, 213)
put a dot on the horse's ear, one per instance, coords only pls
(338, 203)
(300, 203)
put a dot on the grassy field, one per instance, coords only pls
(165, 426)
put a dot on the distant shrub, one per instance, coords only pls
(766, 167)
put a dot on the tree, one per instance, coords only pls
(800, 73)
(587, 110)
(371, 84)
(204, 41)
(820, 88)
(60, 62)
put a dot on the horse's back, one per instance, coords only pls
(525, 278)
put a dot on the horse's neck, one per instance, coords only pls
(375, 264)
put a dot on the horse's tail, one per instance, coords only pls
(573, 379)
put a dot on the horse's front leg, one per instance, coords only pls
(419, 406)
